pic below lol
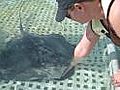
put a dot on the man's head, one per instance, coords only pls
(78, 10)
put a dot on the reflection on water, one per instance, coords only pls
(34, 57)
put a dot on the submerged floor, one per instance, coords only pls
(38, 17)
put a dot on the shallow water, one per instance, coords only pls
(38, 18)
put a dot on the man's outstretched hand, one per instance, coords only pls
(116, 79)
(75, 61)
(69, 69)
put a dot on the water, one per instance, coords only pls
(38, 17)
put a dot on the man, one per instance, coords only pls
(102, 16)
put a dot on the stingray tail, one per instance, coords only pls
(21, 26)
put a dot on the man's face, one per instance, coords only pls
(82, 12)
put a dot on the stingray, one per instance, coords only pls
(35, 57)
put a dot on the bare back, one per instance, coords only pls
(114, 16)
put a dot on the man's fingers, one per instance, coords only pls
(75, 61)
(117, 84)
(116, 79)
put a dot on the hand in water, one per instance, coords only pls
(116, 79)
(75, 61)
(69, 69)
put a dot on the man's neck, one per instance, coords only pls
(100, 13)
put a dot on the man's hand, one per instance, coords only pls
(116, 79)
(69, 69)
(75, 61)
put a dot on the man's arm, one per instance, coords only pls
(114, 18)
(86, 44)
(83, 48)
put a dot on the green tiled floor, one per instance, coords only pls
(38, 17)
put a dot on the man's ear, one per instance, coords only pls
(79, 7)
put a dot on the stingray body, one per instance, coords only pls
(35, 57)
(50, 53)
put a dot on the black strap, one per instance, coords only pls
(108, 26)
(109, 8)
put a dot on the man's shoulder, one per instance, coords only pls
(114, 15)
